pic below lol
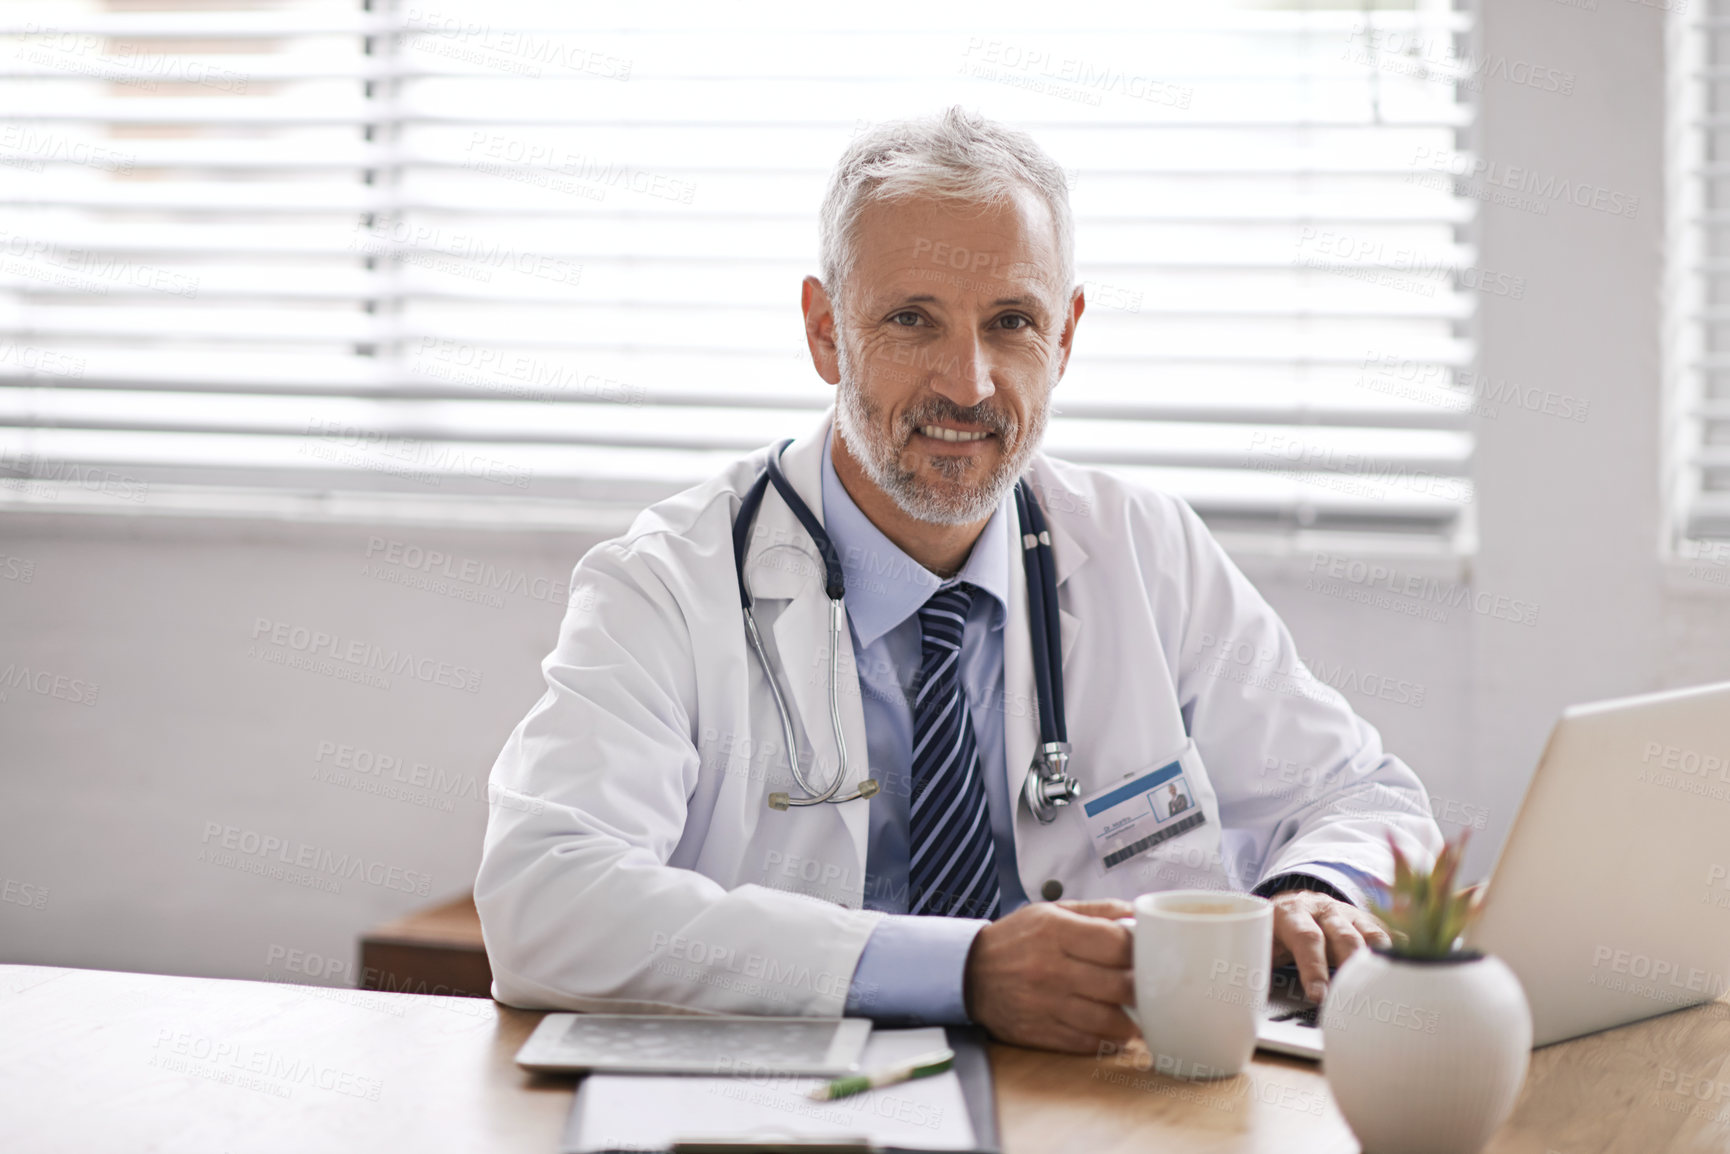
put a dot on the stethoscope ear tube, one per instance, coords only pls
(742, 521)
(834, 583)
(835, 587)
(776, 800)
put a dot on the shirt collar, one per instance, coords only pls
(884, 585)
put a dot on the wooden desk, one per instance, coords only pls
(92, 1062)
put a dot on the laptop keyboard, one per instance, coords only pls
(1303, 1017)
(1286, 1002)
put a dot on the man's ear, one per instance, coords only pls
(820, 329)
(1066, 340)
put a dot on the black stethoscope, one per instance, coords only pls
(1051, 785)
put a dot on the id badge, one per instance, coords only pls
(1128, 819)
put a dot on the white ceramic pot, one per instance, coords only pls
(1425, 1057)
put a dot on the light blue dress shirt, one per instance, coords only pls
(912, 967)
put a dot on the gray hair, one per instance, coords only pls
(957, 156)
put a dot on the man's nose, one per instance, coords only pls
(964, 375)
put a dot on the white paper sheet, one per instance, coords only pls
(651, 1112)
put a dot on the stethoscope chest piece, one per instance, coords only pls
(1050, 786)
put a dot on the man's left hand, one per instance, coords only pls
(1314, 929)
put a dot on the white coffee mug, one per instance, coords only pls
(1201, 976)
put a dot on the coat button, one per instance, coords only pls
(1051, 890)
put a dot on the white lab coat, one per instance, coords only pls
(632, 862)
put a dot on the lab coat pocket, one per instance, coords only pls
(1159, 825)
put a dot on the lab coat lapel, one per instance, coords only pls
(1020, 695)
(1070, 556)
(783, 563)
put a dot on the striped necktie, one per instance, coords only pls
(953, 871)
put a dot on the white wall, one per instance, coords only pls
(1570, 512)
(107, 806)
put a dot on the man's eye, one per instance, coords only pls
(907, 319)
(1014, 322)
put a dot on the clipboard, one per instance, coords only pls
(972, 1069)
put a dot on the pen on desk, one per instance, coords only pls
(921, 1067)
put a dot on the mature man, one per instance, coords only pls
(639, 857)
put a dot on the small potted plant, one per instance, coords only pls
(1426, 1042)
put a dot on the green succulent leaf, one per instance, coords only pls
(1423, 911)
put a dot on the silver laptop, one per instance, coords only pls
(1611, 898)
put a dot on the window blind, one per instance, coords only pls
(541, 255)
(1699, 330)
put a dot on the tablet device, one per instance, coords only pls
(679, 1044)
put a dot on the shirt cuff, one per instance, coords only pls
(1319, 877)
(913, 970)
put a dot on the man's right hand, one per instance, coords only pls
(1054, 975)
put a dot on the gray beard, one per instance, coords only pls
(878, 451)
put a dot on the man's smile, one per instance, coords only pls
(942, 433)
